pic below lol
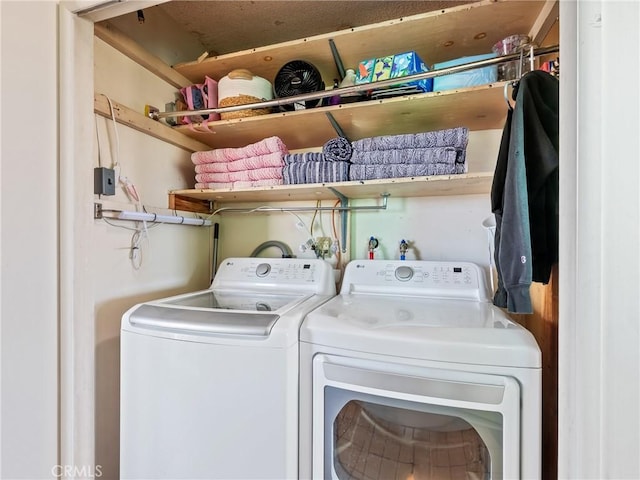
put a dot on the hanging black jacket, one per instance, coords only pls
(524, 194)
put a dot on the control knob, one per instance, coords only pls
(404, 274)
(263, 269)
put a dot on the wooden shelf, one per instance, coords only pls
(436, 36)
(202, 200)
(126, 116)
(477, 108)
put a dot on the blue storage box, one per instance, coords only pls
(364, 73)
(468, 78)
(394, 66)
(410, 63)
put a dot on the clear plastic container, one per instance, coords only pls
(513, 44)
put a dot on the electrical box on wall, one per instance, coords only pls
(104, 181)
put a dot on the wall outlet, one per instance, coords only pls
(104, 181)
(323, 246)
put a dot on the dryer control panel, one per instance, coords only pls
(431, 279)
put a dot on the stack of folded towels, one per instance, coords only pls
(441, 152)
(256, 165)
(330, 165)
(268, 162)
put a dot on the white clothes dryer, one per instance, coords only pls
(209, 380)
(411, 373)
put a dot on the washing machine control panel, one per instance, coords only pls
(279, 274)
(415, 277)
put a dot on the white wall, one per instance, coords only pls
(437, 228)
(174, 259)
(599, 331)
(28, 240)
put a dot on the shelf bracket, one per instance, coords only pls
(336, 58)
(188, 204)
(336, 125)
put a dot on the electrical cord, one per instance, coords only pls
(130, 190)
(335, 235)
(116, 157)
(313, 219)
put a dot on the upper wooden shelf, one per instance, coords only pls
(477, 108)
(436, 36)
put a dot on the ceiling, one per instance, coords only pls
(233, 25)
(225, 26)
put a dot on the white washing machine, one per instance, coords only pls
(209, 380)
(411, 373)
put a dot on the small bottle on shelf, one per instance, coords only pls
(349, 79)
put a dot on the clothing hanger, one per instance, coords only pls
(506, 95)
(514, 84)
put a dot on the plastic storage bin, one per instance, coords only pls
(394, 66)
(468, 78)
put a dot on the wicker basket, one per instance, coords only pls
(241, 100)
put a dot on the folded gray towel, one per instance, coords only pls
(371, 172)
(315, 172)
(337, 149)
(303, 157)
(453, 137)
(446, 155)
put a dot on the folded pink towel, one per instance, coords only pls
(263, 147)
(242, 176)
(232, 185)
(251, 163)
(214, 167)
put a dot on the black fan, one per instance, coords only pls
(296, 78)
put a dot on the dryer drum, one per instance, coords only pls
(427, 450)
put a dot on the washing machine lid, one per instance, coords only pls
(249, 297)
(245, 301)
(212, 312)
(459, 331)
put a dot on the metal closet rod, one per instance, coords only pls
(135, 216)
(342, 208)
(361, 88)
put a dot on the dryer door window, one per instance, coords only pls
(376, 441)
(375, 420)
